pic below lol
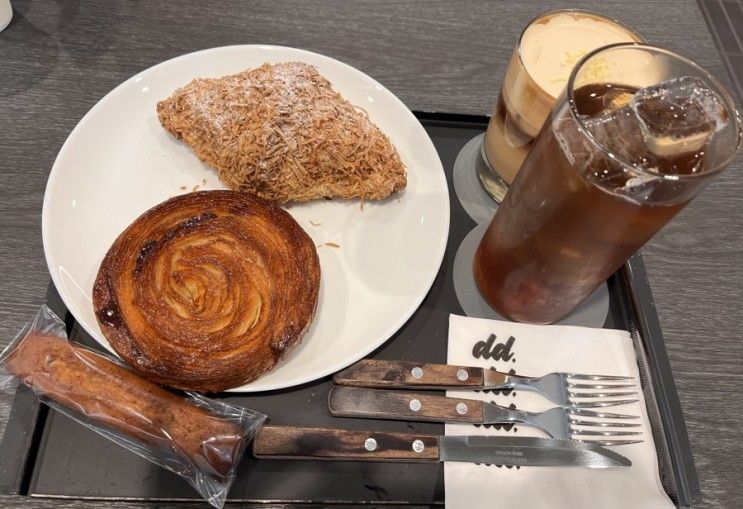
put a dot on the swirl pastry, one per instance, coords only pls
(208, 290)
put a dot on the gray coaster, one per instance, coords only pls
(474, 199)
(591, 312)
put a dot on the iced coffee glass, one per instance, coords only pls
(546, 52)
(638, 132)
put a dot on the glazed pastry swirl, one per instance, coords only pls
(207, 291)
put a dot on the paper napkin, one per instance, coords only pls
(534, 350)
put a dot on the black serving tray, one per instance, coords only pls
(45, 454)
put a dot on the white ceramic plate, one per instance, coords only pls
(119, 162)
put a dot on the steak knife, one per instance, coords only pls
(287, 442)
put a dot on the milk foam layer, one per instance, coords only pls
(550, 47)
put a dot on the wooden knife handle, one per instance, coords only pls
(400, 374)
(408, 406)
(337, 444)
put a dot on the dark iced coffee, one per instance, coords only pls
(613, 163)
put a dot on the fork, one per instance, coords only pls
(564, 389)
(565, 423)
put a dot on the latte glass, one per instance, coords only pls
(546, 52)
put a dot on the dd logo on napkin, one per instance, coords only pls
(489, 349)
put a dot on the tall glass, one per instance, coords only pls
(547, 49)
(609, 168)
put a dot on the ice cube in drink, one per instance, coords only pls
(664, 127)
(678, 116)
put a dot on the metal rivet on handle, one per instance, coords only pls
(418, 446)
(462, 408)
(370, 444)
(462, 375)
(417, 373)
(415, 405)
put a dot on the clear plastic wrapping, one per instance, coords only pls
(198, 438)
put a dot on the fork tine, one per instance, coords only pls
(603, 424)
(572, 394)
(601, 403)
(603, 415)
(602, 378)
(610, 443)
(600, 386)
(596, 433)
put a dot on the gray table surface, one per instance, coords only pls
(58, 58)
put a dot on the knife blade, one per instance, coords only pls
(284, 442)
(528, 451)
